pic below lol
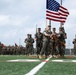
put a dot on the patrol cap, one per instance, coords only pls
(39, 28)
(27, 34)
(30, 34)
(54, 28)
(63, 28)
(49, 25)
(60, 27)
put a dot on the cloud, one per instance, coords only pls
(4, 19)
(20, 17)
(18, 20)
(70, 25)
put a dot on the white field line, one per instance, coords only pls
(57, 60)
(36, 60)
(73, 60)
(63, 60)
(36, 69)
(24, 60)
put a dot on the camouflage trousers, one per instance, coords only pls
(29, 49)
(38, 47)
(45, 47)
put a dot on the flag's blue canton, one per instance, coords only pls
(52, 5)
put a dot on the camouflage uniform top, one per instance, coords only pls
(29, 41)
(39, 37)
(46, 38)
(61, 36)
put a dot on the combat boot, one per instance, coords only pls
(40, 56)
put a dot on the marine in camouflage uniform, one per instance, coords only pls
(29, 44)
(61, 41)
(46, 41)
(39, 38)
(55, 42)
(65, 37)
(74, 42)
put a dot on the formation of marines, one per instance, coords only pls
(50, 43)
(47, 43)
(12, 50)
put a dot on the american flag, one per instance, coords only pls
(56, 12)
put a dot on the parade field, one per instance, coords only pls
(22, 65)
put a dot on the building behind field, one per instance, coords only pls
(69, 51)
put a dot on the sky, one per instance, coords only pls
(20, 17)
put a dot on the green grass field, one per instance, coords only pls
(50, 68)
(54, 68)
(15, 68)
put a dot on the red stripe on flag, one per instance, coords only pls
(54, 19)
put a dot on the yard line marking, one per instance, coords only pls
(73, 60)
(57, 60)
(63, 60)
(24, 60)
(36, 69)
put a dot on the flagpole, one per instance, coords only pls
(60, 4)
(46, 7)
(50, 22)
(19, 41)
(46, 22)
(46, 19)
(36, 28)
